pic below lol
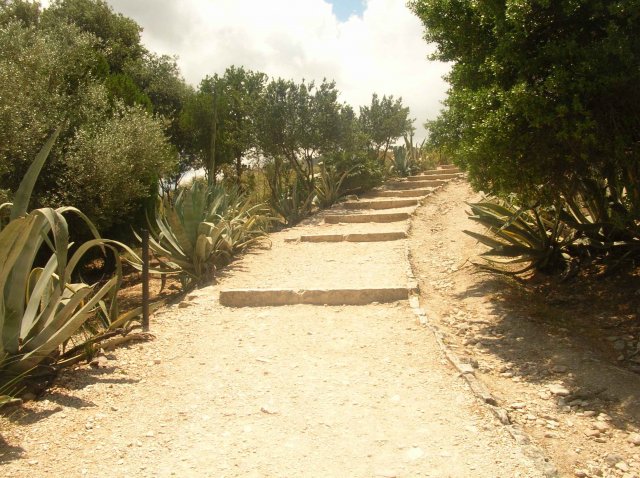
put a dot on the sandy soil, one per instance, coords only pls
(298, 391)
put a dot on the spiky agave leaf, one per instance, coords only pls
(519, 235)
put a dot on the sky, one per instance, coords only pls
(343, 9)
(366, 46)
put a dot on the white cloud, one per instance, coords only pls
(382, 51)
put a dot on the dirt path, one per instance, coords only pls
(291, 391)
(552, 359)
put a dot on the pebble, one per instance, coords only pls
(559, 390)
(601, 426)
(634, 438)
(622, 466)
(612, 459)
(415, 453)
(619, 345)
(592, 433)
(589, 413)
(559, 369)
(580, 473)
(518, 406)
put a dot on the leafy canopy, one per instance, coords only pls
(542, 92)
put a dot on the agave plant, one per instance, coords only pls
(521, 235)
(203, 227)
(402, 164)
(328, 187)
(292, 203)
(603, 214)
(41, 307)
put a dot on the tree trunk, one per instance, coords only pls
(211, 167)
(239, 170)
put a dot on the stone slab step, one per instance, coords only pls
(415, 184)
(443, 169)
(417, 193)
(379, 217)
(355, 237)
(383, 204)
(433, 176)
(280, 297)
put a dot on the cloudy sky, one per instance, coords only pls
(366, 46)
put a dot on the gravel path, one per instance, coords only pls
(293, 391)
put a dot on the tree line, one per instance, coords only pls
(130, 122)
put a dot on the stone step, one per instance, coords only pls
(379, 217)
(355, 237)
(384, 204)
(433, 176)
(280, 297)
(443, 169)
(415, 184)
(417, 193)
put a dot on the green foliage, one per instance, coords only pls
(109, 158)
(41, 73)
(23, 11)
(291, 202)
(113, 166)
(384, 121)
(602, 214)
(402, 164)
(300, 123)
(122, 87)
(118, 36)
(534, 235)
(544, 101)
(204, 227)
(364, 170)
(328, 187)
(40, 307)
(542, 92)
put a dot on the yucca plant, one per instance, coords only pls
(41, 307)
(204, 226)
(328, 187)
(521, 235)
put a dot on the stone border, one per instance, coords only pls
(478, 388)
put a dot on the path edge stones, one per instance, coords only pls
(467, 372)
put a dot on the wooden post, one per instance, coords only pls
(145, 280)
